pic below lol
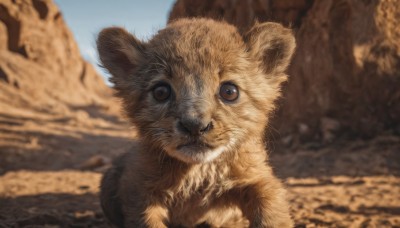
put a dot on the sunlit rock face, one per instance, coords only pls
(40, 64)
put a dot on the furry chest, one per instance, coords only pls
(198, 184)
(193, 207)
(193, 194)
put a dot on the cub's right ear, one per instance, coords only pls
(120, 53)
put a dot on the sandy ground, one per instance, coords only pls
(50, 167)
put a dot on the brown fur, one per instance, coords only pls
(162, 181)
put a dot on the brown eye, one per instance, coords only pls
(161, 92)
(229, 91)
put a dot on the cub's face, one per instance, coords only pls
(198, 89)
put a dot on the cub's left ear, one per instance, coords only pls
(271, 44)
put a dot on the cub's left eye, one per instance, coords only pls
(161, 92)
(229, 91)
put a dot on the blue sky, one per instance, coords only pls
(86, 18)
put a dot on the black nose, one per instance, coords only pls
(194, 127)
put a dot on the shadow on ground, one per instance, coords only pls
(61, 210)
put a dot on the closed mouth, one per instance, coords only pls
(195, 145)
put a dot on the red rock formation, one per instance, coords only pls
(346, 67)
(40, 64)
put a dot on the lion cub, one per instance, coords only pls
(199, 95)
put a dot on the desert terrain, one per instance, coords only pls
(336, 145)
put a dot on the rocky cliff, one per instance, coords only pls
(55, 110)
(345, 75)
(41, 68)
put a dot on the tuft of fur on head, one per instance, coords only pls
(195, 58)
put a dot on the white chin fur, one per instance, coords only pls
(190, 156)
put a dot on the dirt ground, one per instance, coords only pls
(51, 165)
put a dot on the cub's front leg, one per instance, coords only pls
(150, 216)
(122, 202)
(139, 206)
(264, 204)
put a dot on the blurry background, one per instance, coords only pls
(334, 138)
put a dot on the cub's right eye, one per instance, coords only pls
(161, 92)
